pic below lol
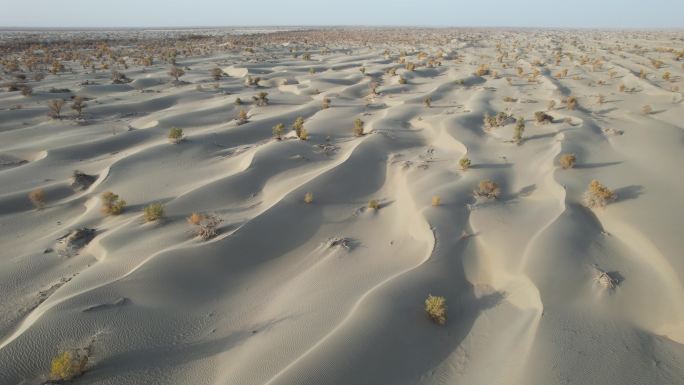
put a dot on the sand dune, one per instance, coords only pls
(332, 291)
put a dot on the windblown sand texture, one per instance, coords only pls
(540, 289)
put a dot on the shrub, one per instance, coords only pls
(482, 70)
(261, 99)
(436, 309)
(78, 105)
(464, 163)
(497, 120)
(543, 117)
(206, 225)
(55, 106)
(68, 365)
(308, 198)
(303, 134)
(427, 101)
(242, 116)
(175, 135)
(176, 72)
(119, 78)
(26, 91)
(567, 161)
(667, 75)
(298, 125)
(238, 101)
(112, 204)
(153, 212)
(358, 127)
(216, 73)
(647, 109)
(598, 195)
(373, 204)
(487, 189)
(572, 103)
(550, 105)
(37, 197)
(402, 80)
(326, 102)
(436, 201)
(519, 129)
(278, 131)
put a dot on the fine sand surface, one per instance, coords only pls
(273, 298)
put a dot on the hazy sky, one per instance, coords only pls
(155, 13)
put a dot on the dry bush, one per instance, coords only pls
(667, 75)
(498, 120)
(308, 198)
(68, 365)
(26, 90)
(567, 161)
(436, 309)
(278, 131)
(519, 129)
(550, 105)
(238, 102)
(358, 127)
(326, 103)
(598, 195)
(427, 101)
(175, 135)
(119, 78)
(242, 117)
(78, 105)
(153, 212)
(176, 72)
(509, 99)
(298, 128)
(571, 102)
(482, 70)
(55, 106)
(112, 204)
(261, 99)
(543, 117)
(206, 225)
(37, 197)
(436, 201)
(622, 88)
(464, 163)
(216, 73)
(402, 80)
(373, 204)
(647, 109)
(487, 189)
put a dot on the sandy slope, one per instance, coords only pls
(270, 301)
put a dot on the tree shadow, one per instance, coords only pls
(491, 166)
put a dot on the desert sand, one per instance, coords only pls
(323, 251)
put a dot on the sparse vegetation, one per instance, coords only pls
(598, 195)
(261, 99)
(464, 163)
(308, 198)
(242, 117)
(436, 309)
(326, 103)
(55, 106)
(427, 101)
(206, 225)
(153, 212)
(519, 130)
(543, 117)
(358, 127)
(68, 365)
(176, 72)
(78, 105)
(175, 135)
(112, 204)
(487, 189)
(216, 73)
(279, 130)
(37, 197)
(436, 201)
(567, 161)
(373, 204)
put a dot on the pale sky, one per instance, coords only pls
(510, 13)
